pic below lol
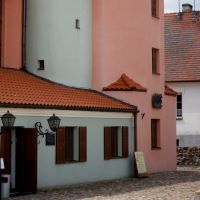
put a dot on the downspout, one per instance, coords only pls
(24, 15)
(135, 141)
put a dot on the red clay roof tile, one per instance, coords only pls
(124, 83)
(182, 48)
(19, 88)
(169, 91)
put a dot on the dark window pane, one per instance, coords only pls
(179, 98)
(114, 141)
(154, 61)
(71, 144)
(179, 105)
(154, 8)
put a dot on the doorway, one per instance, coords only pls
(19, 150)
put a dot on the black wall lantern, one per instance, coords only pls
(157, 101)
(54, 123)
(8, 120)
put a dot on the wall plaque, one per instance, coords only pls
(50, 139)
(157, 101)
(140, 164)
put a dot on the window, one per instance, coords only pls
(179, 112)
(41, 65)
(71, 145)
(77, 24)
(177, 142)
(155, 8)
(115, 142)
(155, 133)
(155, 61)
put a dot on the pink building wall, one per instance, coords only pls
(11, 49)
(124, 33)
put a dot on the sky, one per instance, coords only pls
(172, 5)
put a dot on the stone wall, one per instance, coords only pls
(188, 156)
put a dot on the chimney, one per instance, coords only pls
(186, 7)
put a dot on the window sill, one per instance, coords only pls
(115, 158)
(179, 118)
(69, 162)
(155, 17)
(156, 148)
(40, 69)
(156, 73)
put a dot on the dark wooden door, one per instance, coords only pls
(26, 160)
(6, 150)
(1, 13)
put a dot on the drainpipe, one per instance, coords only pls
(135, 141)
(24, 12)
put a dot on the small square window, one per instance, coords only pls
(155, 61)
(155, 8)
(155, 133)
(41, 64)
(77, 24)
(179, 111)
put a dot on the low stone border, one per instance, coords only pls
(188, 156)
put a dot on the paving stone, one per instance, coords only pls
(179, 185)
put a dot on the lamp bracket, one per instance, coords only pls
(38, 126)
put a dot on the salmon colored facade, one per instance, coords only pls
(11, 43)
(124, 33)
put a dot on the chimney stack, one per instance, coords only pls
(186, 7)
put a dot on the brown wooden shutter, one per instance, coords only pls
(6, 150)
(82, 144)
(60, 146)
(125, 142)
(107, 143)
(66, 144)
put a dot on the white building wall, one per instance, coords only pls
(51, 36)
(50, 174)
(188, 128)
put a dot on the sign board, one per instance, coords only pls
(2, 164)
(140, 164)
(50, 139)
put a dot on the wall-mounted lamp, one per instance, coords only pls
(8, 120)
(54, 123)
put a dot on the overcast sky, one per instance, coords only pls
(172, 5)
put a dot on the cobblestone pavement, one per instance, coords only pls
(179, 185)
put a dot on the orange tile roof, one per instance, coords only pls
(124, 83)
(169, 91)
(19, 88)
(182, 48)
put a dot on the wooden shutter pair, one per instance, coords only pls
(62, 145)
(107, 142)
